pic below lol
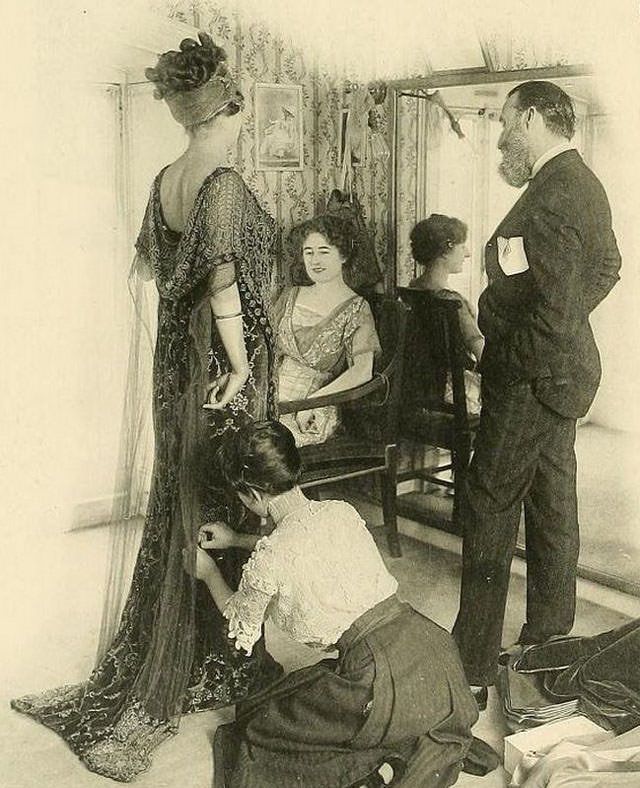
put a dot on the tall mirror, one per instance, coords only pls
(436, 170)
(445, 160)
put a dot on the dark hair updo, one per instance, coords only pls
(433, 237)
(191, 67)
(338, 232)
(261, 456)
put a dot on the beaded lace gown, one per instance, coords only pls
(171, 654)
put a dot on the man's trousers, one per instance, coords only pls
(524, 454)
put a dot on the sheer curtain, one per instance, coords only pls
(147, 140)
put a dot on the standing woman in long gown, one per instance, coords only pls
(208, 244)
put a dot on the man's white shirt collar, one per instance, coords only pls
(550, 154)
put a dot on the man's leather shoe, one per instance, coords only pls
(480, 695)
(509, 653)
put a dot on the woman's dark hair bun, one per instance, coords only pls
(434, 236)
(189, 68)
(262, 456)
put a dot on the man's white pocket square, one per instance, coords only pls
(512, 256)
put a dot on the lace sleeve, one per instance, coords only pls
(141, 267)
(223, 240)
(245, 610)
(143, 242)
(363, 337)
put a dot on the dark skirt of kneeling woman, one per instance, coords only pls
(396, 693)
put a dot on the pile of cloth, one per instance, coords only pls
(596, 676)
(526, 704)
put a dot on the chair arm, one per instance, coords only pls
(378, 382)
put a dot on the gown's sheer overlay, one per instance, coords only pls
(171, 654)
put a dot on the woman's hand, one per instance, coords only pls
(224, 389)
(306, 421)
(312, 422)
(217, 536)
(204, 566)
(478, 349)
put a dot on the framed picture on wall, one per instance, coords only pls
(356, 135)
(278, 124)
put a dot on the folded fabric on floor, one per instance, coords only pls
(481, 758)
(526, 703)
(601, 674)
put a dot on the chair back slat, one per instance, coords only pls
(434, 354)
(390, 316)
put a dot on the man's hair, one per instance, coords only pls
(552, 103)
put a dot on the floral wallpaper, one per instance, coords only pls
(260, 54)
(511, 49)
(257, 54)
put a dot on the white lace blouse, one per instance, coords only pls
(314, 575)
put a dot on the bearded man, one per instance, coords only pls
(550, 262)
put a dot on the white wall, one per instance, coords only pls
(65, 329)
(62, 354)
(616, 322)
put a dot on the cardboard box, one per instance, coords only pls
(542, 738)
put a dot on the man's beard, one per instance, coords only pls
(514, 167)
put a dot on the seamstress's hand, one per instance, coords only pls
(224, 389)
(216, 536)
(203, 566)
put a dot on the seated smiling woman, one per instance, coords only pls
(326, 336)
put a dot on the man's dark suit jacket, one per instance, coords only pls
(536, 322)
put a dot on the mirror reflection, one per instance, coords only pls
(448, 164)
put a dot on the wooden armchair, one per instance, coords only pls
(367, 441)
(434, 355)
